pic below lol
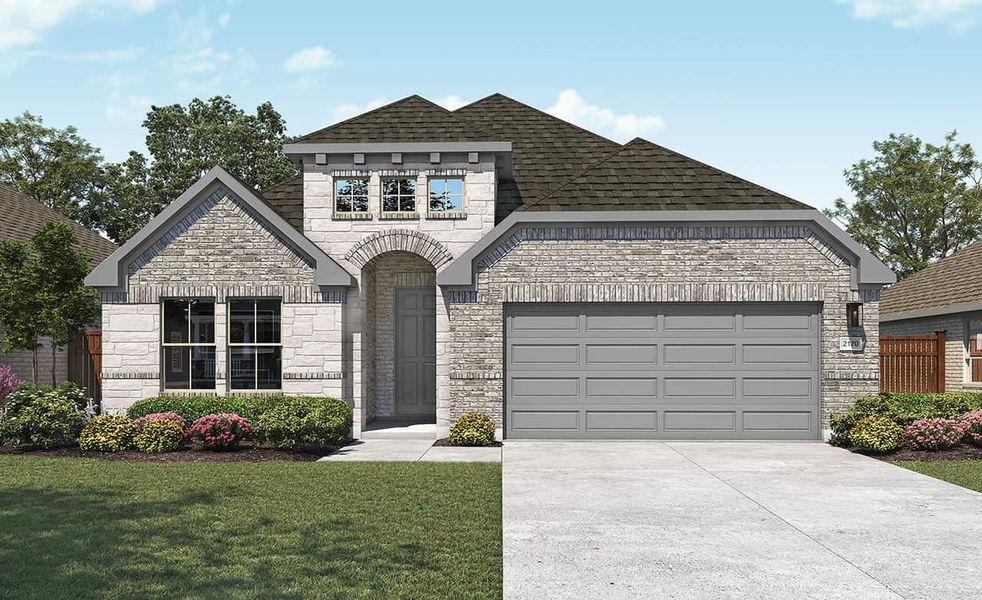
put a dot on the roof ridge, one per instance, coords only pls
(578, 174)
(915, 277)
(543, 113)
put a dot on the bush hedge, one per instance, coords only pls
(305, 423)
(472, 429)
(107, 433)
(156, 436)
(902, 409)
(192, 408)
(876, 434)
(934, 434)
(220, 432)
(43, 416)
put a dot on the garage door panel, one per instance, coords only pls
(567, 387)
(545, 354)
(761, 420)
(777, 387)
(607, 420)
(611, 354)
(699, 322)
(621, 322)
(545, 323)
(701, 387)
(706, 420)
(598, 388)
(554, 420)
(700, 354)
(778, 354)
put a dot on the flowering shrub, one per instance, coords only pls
(973, 427)
(472, 429)
(902, 409)
(155, 436)
(933, 434)
(876, 434)
(220, 432)
(173, 417)
(40, 416)
(107, 433)
(8, 383)
(305, 422)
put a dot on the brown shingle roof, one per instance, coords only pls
(644, 176)
(24, 216)
(286, 198)
(950, 281)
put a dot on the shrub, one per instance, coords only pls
(973, 427)
(902, 409)
(876, 434)
(8, 383)
(472, 429)
(107, 433)
(155, 436)
(192, 408)
(173, 417)
(41, 416)
(220, 432)
(933, 434)
(305, 423)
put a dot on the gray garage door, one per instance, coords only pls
(680, 371)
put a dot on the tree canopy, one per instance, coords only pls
(915, 202)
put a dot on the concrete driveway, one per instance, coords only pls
(731, 520)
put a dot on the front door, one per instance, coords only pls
(415, 351)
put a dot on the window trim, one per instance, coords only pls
(163, 344)
(399, 213)
(348, 213)
(229, 344)
(463, 196)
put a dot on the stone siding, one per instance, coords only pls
(130, 354)
(956, 343)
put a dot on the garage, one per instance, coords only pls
(662, 371)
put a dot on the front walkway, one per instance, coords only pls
(410, 450)
(731, 520)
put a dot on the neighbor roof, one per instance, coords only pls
(951, 284)
(24, 216)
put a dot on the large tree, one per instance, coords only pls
(184, 142)
(42, 293)
(915, 202)
(55, 166)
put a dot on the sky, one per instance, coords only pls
(787, 94)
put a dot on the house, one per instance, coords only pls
(429, 263)
(944, 297)
(24, 216)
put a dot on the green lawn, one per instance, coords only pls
(966, 473)
(87, 528)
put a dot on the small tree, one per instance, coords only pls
(42, 292)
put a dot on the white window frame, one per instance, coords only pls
(368, 196)
(463, 193)
(229, 344)
(188, 345)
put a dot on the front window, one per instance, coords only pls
(351, 195)
(975, 351)
(254, 350)
(446, 194)
(188, 344)
(399, 194)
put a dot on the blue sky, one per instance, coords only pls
(786, 94)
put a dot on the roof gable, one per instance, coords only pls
(952, 282)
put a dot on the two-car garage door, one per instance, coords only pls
(663, 371)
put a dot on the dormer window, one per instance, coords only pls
(351, 195)
(446, 194)
(398, 195)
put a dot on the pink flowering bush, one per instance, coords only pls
(164, 416)
(220, 432)
(8, 382)
(933, 434)
(973, 427)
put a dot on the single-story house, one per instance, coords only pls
(24, 216)
(944, 297)
(429, 263)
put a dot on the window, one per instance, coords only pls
(351, 195)
(975, 351)
(188, 344)
(446, 194)
(254, 350)
(399, 195)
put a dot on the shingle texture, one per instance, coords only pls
(23, 216)
(286, 198)
(951, 280)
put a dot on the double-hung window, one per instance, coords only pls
(975, 351)
(254, 345)
(398, 194)
(188, 344)
(446, 194)
(351, 195)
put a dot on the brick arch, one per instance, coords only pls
(399, 240)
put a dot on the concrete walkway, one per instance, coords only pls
(731, 520)
(410, 450)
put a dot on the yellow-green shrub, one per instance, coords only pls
(107, 433)
(472, 429)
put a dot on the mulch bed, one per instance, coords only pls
(244, 454)
(444, 442)
(959, 452)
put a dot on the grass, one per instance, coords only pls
(87, 528)
(966, 473)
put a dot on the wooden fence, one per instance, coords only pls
(912, 363)
(85, 362)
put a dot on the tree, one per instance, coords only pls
(54, 166)
(915, 202)
(42, 292)
(184, 142)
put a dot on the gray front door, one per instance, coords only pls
(415, 351)
(663, 371)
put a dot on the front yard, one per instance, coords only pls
(966, 473)
(89, 528)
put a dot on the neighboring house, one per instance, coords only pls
(22, 217)
(947, 296)
(430, 263)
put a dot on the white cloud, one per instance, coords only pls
(117, 55)
(620, 126)
(311, 59)
(127, 107)
(959, 15)
(23, 21)
(452, 102)
(201, 66)
(346, 111)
